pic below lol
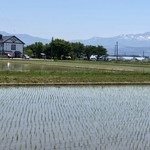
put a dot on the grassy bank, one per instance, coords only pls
(76, 72)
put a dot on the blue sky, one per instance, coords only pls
(75, 19)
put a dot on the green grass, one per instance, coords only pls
(77, 72)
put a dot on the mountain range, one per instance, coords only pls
(27, 39)
(128, 44)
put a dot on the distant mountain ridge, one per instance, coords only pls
(129, 44)
(27, 39)
(145, 37)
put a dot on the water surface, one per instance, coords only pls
(74, 118)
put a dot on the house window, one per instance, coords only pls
(13, 47)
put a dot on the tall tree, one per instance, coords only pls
(58, 48)
(78, 49)
(61, 48)
(89, 50)
(39, 47)
(47, 50)
(100, 50)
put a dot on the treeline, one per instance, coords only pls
(61, 49)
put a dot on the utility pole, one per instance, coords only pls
(143, 53)
(1, 50)
(52, 48)
(117, 50)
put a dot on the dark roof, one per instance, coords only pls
(5, 38)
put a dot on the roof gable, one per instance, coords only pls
(12, 39)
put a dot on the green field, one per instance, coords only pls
(73, 72)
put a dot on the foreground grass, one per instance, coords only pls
(77, 72)
(73, 77)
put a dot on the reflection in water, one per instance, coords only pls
(11, 67)
(8, 64)
(19, 67)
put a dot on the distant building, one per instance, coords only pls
(93, 57)
(11, 45)
(127, 58)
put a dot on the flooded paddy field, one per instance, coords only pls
(75, 118)
(41, 65)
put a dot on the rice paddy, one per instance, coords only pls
(47, 72)
(75, 118)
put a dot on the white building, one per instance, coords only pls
(11, 44)
(93, 57)
(126, 58)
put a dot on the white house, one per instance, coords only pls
(11, 44)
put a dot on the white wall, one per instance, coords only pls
(7, 47)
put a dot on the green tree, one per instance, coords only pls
(89, 50)
(47, 50)
(28, 51)
(61, 48)
(58, 48)
(77, 49)
(95, 50)
(100, 50)
(36, 49)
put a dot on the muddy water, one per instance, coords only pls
(74, 118)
